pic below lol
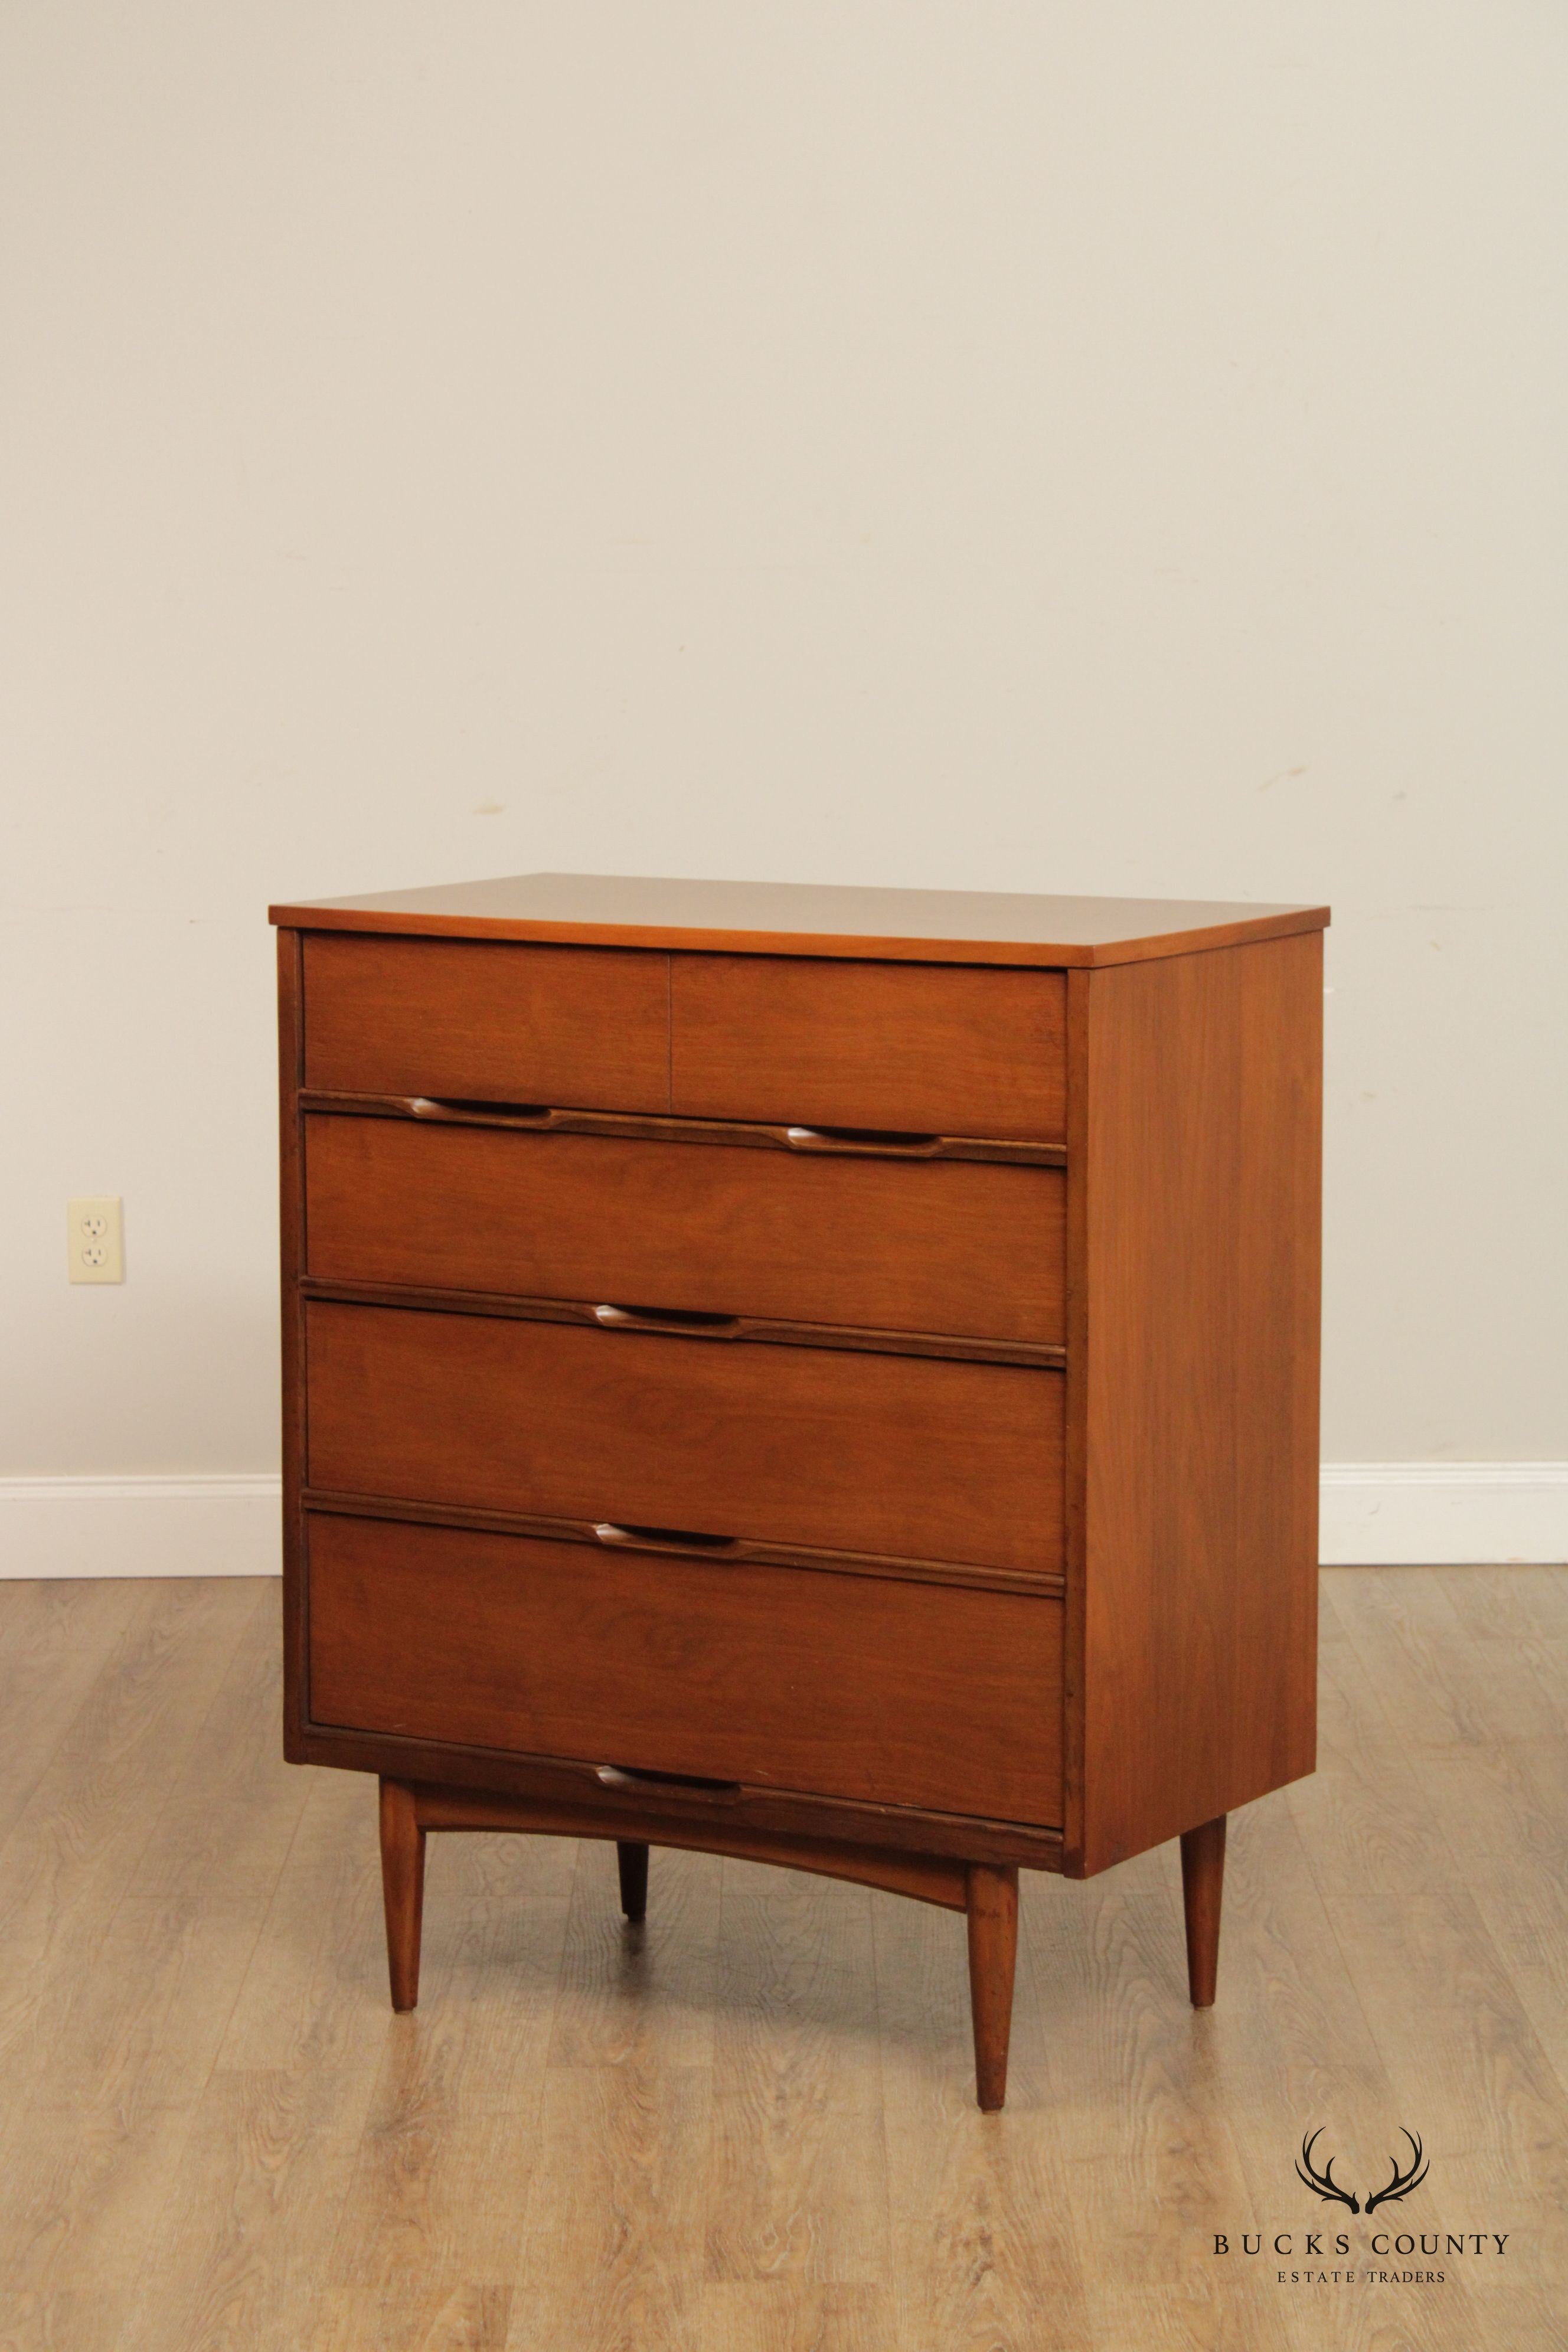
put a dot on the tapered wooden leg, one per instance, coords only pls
(1202, 1884)
(632, 1860)
(993, 1908)
(402, 1889)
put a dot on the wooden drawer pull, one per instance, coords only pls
(688, 1784)
(688, 1321)
(863, 1141)
(609, 1531)
(482, 1114)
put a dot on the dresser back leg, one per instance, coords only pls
(1203, 1883)
(402, 1889)
(993, 1911)
(632, 1860)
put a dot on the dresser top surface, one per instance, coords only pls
(806, 918)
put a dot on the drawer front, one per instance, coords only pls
(914, 1456)
(944, 1246)
(925, 1048)
(840, 1686)
(474, 1021)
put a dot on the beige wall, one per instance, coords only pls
(1093, 447)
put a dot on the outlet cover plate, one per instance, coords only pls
(95, 1239)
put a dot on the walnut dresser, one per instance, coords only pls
(825, 1376)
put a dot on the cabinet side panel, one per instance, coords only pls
(1076, 1433)
(292, 1245)
(1200, 1262)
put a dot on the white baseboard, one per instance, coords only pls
(1375, 1514)
(196, 1526)
(1441, 1514)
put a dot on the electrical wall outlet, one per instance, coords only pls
(95, 1240)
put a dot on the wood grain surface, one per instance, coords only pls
(925, 1048)
(1193, 1240)
(931, 1246)
(926, 1878)
(848, 1686)
(753, 1818)
(747, 2125)
(809, 1445)
(807, 919)
(494, 1022)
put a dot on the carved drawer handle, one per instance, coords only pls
(863, 1141)
(482, 1114)
(685, 1784)
(688, 1321)
(623, 1539)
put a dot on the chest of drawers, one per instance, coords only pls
(823, 1376)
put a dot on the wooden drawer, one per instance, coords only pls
(913, 1456)
(943, 1246)
(850, 1686)
(474, 1021)
(940, 1049)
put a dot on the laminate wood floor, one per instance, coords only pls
(748, 2127)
